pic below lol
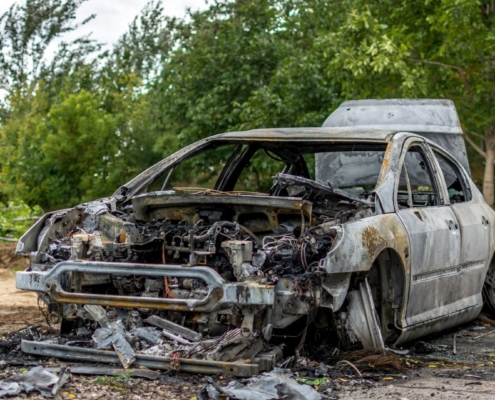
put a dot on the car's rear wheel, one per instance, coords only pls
(489, 289)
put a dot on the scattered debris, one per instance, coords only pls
(167, 363)
(484, 334)
(351, 364)
(277, 384)
(111, 334)
(369, 361)
(172, 328)
(423, 348)
(37, 379)
(485, 319)
(134, 373)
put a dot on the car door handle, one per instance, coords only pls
(452, 225)
(418, 214)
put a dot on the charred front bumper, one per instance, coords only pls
(63, 284)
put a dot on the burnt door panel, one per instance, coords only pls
(473, 229)
(434, 252)
(474, 257)
(434, 238)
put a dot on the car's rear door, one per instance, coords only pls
(433, 233)
(474, 230)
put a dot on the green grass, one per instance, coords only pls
(116, 382)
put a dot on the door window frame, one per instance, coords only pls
(438, 184)
(466, 187)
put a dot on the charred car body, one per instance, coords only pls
(370, 228)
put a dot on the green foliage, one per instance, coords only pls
(75, 152)
(243, 65)
(16, 217)
(78, 127)
(433, 48)
(120, 381)
(312, 382)
(26, 31)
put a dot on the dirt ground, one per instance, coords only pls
(18, 308)
(431, 369)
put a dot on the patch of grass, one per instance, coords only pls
(102, 380)
(115, 382)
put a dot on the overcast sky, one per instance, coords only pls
(113, 16)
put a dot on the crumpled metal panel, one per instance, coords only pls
(363, 322)
(360, 243)
(336, 285)
(37, 379)
(278, 384)
(29, 240)
(237, 368)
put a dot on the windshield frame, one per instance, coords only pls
(141, 182)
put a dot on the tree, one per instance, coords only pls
(437, 48)
(237, 65)
(145, 47)
(26, 31)
(243, 65)
(76, 127)
(76, 152)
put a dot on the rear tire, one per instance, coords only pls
(489, 290)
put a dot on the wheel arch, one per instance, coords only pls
(387, 277)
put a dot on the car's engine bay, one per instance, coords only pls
(274, 245)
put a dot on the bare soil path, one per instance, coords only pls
(18, 308)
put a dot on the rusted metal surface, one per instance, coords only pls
(360, 243)
(105, 371)
(219, 292)
(183, 207)
(175, 328)
(239, 369)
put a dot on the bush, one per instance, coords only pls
(15, 218)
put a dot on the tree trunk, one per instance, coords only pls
(490, 158)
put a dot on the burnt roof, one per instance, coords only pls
(325, 133)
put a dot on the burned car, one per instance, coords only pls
(371, 230)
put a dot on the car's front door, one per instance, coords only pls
(434, 238)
